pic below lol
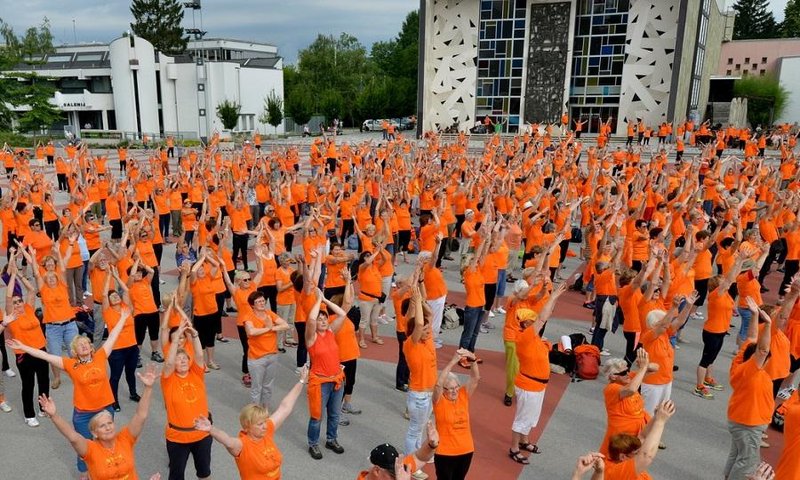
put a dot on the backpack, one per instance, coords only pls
(577, 339)
(587, 361)
(450, 318)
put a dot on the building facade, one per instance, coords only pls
(128, 86)
(520, 61)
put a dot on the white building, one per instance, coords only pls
(129, 87)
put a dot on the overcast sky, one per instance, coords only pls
(289, 24)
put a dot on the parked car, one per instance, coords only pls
(372, 125)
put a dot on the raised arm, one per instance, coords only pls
(232, 444)
(147, 378)
(287, 404)
(78, 442)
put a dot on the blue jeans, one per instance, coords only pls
(420, 405)
(746, 315)
(80, 421)
(332, 403)
(472, 319)
(60, 337)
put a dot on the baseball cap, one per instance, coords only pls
(384, 456)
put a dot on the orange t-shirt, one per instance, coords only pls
(127, 338)
(91, 387)
(625, 415)
(266, 343)
(751, 401)
(115, 464)
(347, 342)
(533, 361)
(720, 312)
(789, 464)
(473, 284)
(435, 286)
(259, 459)
(452, 422)
(662, 353)
(624, 471)
(55, 303)
(204, 296)
(285, 297)
(142, 297)
(27, 329)
(184, 399)
(421, 359)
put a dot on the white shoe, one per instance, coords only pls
(383, 319)
(491, 314)
(419, 475)
(501, 310)
(5, 407)
(10, 373)
(32, 422)
(605, 352)
(161, 282)
(86, 294)
(42, 414)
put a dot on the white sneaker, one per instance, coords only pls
(491, 314)
(501, 310)
(419, 475)
(10, 373)
(42, 414)
(605, 352)
(86, 294)
(32, 422)
(161, 282)
(383, 319)
(5, 407)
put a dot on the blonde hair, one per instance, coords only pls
(74, 343)
(614, 366)
(654, 317)
(96, 419)
(252, 414)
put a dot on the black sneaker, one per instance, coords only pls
(231, 309)
(334, 445)
(135, 397)
(315, 453)
(156, 357)
(507, 400)
(402, 388)
(139, 362)
(116, 407)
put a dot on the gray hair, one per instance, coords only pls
(654, 317)
(520, 286)
(614, 366)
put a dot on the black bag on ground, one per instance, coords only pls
(566, 360)
(578, 339)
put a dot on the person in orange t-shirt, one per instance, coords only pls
(22, 324)
(86, 368)
(254, 450)
(388, 464)
(624, 404)
(789, 463)
(751, 403)
(111, 453)
(207, 317)
(531, 381)
(473, 279)
(262, 327)
(185, 399)
(451, 402)
(629, 456)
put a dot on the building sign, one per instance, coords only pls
(74, 104)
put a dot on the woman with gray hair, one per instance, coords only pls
(451, 410)
(625, 411)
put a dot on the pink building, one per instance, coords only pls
(755, 57)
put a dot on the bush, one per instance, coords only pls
(15, 140)
(766, 98)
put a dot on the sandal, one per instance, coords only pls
(518, 457)
(378, 340)
(362, 344)
(55, 383)
(529, 447)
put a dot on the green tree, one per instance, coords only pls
(34, 93)
(766, 98)
(791, 19)
(300, 104)
(273, 110)
(398, 61)
(159, 22)
(25, 89)
(754, 20)
(228, 114)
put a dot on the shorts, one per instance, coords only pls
(529, 408)
(654, 395)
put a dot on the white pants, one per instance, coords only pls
(529, 408)
(437, 307)
(654, 395)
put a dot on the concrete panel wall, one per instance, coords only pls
(789, 75)
(450, 70)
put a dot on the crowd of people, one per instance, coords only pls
(306, 259)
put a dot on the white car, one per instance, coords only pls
(377, 125)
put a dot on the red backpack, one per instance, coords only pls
(587, 362)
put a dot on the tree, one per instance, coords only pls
(25, 89)
(791, 19)
(159, 22)
(754, 20)
(228, 114)
(35, 93)
(273, 110)
(766, 98)
(300, 104)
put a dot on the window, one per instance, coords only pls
(746, 59)
(59, 58)
(762, 72)
(763, 60)
(89, 57)
(755, 66)
(738, 66)
(744, 74)
(730, 61)
(727, 72)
